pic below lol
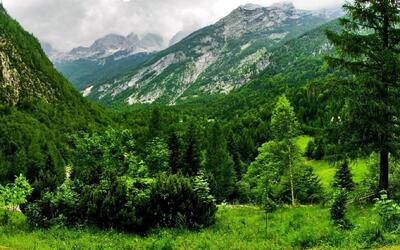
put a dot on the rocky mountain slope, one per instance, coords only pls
(216, 59)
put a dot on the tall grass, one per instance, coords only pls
(237, 227)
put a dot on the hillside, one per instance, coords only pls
(216, 59)
(38, 109)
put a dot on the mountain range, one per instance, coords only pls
(216, 59)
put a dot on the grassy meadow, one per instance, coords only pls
(237, 227)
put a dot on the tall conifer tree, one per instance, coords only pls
(368, 48)
(192, 154)
(219, 163)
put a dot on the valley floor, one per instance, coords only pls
(237, 227)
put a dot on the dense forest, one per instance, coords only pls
(300, 157)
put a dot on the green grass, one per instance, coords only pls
(237, 227)
(326, 170)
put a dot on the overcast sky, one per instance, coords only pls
(70, 23)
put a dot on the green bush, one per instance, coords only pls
(117, 203)
(176, 201)
(56, 208)
(13, 195)
(388, 211)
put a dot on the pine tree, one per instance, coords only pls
(368, 47)
(343, 177)
(192, 155)
(175, 153)
(285, 127)
(155, 125)
(219, 163)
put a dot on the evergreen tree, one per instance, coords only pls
(339, 209)
(343, 177)
(368, 47)
(219, 163)
(175, 153)
(192, 154)
(285, 127)
(155, 125)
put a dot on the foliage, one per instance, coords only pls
(367, 48)
(339, 207)
(14, 195)
(219, 163)
(389, 212)
(56, 208)
(176, 202)
(157, 158)
(343, 177)
(284, 124)
(192, 153)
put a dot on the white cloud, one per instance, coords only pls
(71, 23)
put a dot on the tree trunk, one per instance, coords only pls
(384, 171)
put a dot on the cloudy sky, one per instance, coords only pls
(70, 23)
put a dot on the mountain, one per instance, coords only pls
(113, 45)
(105, 59)
(38, 109)
(216, 59)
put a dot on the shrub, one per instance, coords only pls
(388, 211)
(177, 202)
(13, 195)
(119, 202)
(56, 208)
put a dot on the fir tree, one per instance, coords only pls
(219, 163)
(155, 125)
(192, 155)
(343, 177)
(368, 47)
(175, 153)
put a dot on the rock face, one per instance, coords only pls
(110, 45)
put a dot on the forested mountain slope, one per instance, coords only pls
(216, 59)
(38, 108)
